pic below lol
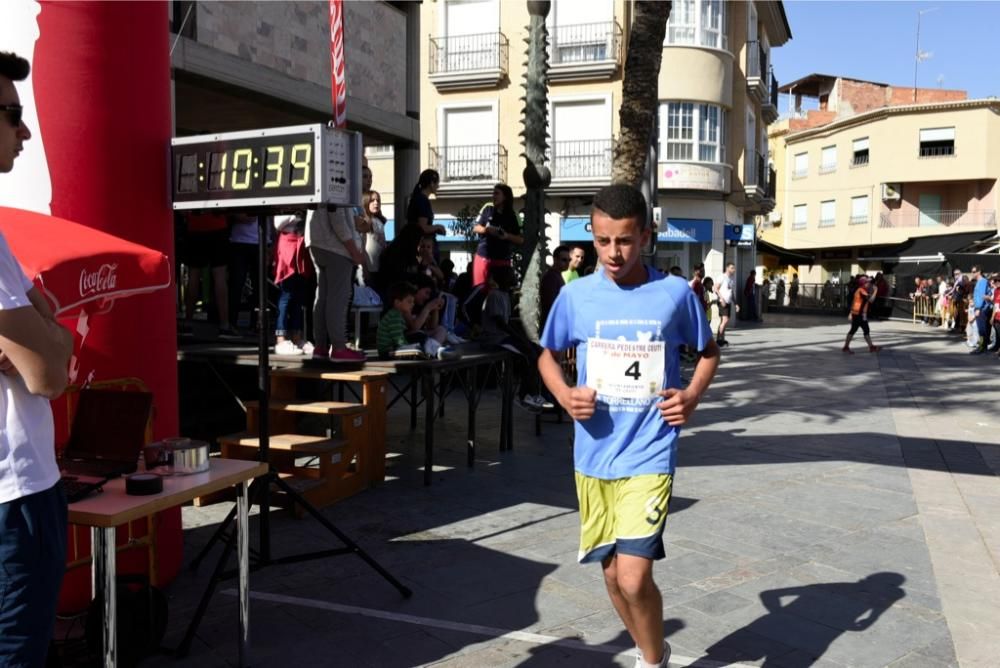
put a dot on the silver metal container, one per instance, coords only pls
(190, 457)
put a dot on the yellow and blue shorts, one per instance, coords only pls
(623, 516)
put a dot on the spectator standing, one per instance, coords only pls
(750, 296)
(552, 283)
(982, 302)
(499, 232)
(243, 256)
(373, 236)
(292, 272)
(33, 516)
(206, 244)
(996, 314)
(793, 292)
(334, 244)
(576, 256)
(726, 290)
(696, 281)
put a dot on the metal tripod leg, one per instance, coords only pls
(354, 547)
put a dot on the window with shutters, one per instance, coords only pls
(828, 213)
(937, 142)
(828, 160)
(801, 167)
(801, 216)
(860, 149)
(859, 210)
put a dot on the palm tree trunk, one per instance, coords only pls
(639, 90)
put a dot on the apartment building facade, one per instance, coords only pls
(247, 65)
(871, 169)
(717, 95)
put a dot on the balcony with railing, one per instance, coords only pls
(471, 169)
(957, 219)
(758, 180)
(769, 108)
(580, 166)
(758, 72)
(468, 61)
(585, 51)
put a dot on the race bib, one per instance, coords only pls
(625, 369)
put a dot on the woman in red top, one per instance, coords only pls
(863, 297)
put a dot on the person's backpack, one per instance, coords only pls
(142, 620)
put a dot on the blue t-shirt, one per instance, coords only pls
(627, 437)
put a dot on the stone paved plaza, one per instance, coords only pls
(828, 511)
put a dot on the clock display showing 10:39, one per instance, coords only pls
(251, 167)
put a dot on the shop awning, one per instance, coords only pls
(988, 262)
(784, 255)
(917, 249)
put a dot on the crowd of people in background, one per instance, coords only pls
(966, 305)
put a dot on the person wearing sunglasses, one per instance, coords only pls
(34, 356)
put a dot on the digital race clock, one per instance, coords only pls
(273, 168)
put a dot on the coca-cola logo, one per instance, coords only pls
(94, 282)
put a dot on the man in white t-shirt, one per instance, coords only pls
(726, 289)
(34, 355)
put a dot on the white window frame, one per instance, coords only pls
(828, 213)
(828, 167)
(605, 98)
(699, 34)
(856, 217)
(442, 126)
(800, 224)
(800, 173)
(695, 143)
(443, 18)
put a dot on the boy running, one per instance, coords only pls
(863, 297)
(627, 322)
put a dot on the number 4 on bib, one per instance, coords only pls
(633, 371)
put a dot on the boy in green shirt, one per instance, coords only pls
(392, 326)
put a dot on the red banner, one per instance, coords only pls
(338, 72)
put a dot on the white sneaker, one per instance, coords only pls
(662, 664)
(308, 348)
(455, 339)
(448, 353)
(286, 347)
(431, 347)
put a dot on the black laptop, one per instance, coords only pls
(107, 435)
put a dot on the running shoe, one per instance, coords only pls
(662, 664)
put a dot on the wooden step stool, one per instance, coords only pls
(344, 461)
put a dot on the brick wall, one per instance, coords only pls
(294, 38)
(814, 118)
(857, 97)
(900, 95)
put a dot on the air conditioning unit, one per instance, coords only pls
(892, 191)
(774, 218)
